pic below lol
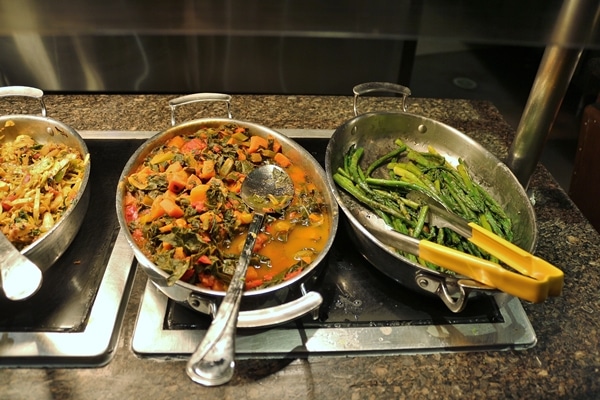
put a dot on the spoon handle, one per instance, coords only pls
(212, 363)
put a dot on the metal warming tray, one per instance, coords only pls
(362, 313)
(75, 318)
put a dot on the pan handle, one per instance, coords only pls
(270, 316)
(279, 314)
(24, 91)
(199, 97)
(455, 293)
(387, 87)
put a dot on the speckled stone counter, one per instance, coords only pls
(565, 363)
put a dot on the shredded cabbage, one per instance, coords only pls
(38, 183)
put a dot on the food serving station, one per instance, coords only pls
(370, 337)
(361, 313)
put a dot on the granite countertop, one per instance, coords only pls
(565, 363)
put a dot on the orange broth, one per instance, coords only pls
(302, 242)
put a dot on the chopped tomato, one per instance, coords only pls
(138, 237)
(177, 181)
(207, 280)
(194, 144)
(261, 239)
(188, 274)
(131, 213)
(204, 259)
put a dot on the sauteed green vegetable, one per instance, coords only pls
(403, 170)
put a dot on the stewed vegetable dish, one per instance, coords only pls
(184, 210)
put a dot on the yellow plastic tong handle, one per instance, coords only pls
(537, 279)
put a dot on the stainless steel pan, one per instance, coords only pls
(376, 132)
(263, 307)
(49, 247)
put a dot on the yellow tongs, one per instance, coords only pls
(536, 278)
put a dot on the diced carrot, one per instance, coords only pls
(253, 284)
(171, 208)
(257, 142)
(181, 223)
(235, 187)
(167, 245)
(276, 146)
(156, 210)
(166, 228)
(251, 274)
(179, 254)
(218, 285)
(176, 141)
(296, 174)
(282, 160)
(198, 194)
(306, 259)
(208, 219)
(292, 274)
(241, 154)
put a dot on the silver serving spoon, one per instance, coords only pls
(266, 189)
(19, 277)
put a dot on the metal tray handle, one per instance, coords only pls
(266, 316)
(24, 91)
(388, 87)
(199, 97)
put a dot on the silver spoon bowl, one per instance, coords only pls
(19, 277)
(267, 189)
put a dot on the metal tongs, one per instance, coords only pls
(535, 280)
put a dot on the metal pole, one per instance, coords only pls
(576, 21)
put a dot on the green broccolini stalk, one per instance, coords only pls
(404, 169)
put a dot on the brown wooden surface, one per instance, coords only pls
(585, 183)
